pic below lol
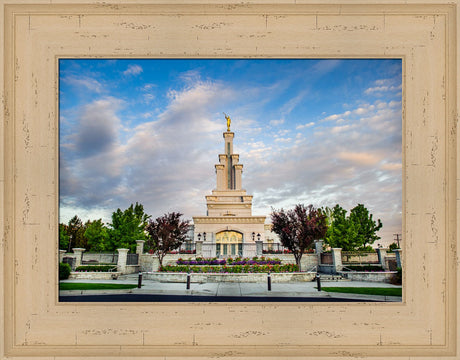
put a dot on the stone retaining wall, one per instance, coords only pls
(93, 275)
(378, 276)
(216, 278)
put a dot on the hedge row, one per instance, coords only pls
(96, 268)
(364, 267)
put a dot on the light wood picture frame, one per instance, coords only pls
(35, 35)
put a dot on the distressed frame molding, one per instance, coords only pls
(34, 323)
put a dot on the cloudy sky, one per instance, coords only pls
(316, 132)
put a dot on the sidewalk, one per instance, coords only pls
(293, 290)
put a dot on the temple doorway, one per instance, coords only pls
(229, 243)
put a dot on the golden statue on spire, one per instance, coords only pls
(228, 121)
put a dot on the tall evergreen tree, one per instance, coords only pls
(352, 232)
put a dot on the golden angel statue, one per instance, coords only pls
(228, 121)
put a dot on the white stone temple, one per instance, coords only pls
(229, 228)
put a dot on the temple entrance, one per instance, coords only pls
(229, 243)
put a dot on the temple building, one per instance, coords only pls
(229, 228)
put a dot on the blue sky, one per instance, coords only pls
(316, 132)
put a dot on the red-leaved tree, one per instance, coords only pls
(299, 228)
(167, 233)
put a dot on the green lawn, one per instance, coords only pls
(94, 286)
(365, 290)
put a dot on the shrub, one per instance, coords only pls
(64, 271)
(96, 268)
(364, 267)
(393, 246)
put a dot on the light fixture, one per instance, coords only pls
(199, 237)
(253, 235)
(258, 237)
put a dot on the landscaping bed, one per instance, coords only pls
(229, 261)
(230, 269)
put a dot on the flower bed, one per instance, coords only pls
(201, 261)
(230, 269)
(230, 261)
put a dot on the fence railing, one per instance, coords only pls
(326, 259)
(132, 259)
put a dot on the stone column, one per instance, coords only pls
(140, 247)
(122, 258)
(318, 250)
(259, 247)
(199, 248)
(78, 255)
(398, 257)
(382, 252)
(61, 255)
(238, 172)
(337, 259)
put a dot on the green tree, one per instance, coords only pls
(167, 233)
(299, 228)
(364, 226)
(98, 236)
(128, 226)
(75, 232)
(64, 237)
(356, 231)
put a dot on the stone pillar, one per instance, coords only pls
(199, 248)
(122, 258)
(220, 176)
(259, 247)
(337, 259)
(78, 255)
(318, 250)
(382, 252)
(398, 257)
(238, 172)
(318, 246)
(140, 247)
(61, 255)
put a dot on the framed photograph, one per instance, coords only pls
(38, 36)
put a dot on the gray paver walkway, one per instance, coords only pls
(298, 289)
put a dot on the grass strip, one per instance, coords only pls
(365, 290)
(94, 286)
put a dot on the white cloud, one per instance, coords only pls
(84, 81)
(276, 122)
(303, 126)
(133, 70)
